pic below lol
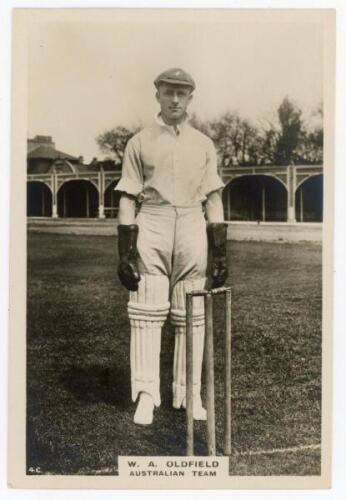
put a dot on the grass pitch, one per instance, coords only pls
(79, 410)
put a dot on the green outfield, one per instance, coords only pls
(79, 411)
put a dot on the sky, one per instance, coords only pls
(84, 78)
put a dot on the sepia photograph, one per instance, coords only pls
(172, 234)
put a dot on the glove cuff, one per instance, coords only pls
(217, 237)
(127, 241)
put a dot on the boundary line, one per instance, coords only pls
(292, 449)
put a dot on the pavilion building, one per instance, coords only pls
(62, 185)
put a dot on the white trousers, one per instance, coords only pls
(172, 247)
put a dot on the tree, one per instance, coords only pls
(293, 138)
(236, 140)
(250, 144)
(310, 149)
(290, 134)
(113, 142)
(267, 146)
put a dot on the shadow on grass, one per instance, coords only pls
(79, 409)
(98, 384)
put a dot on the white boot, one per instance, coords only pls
(199, 413)
(145, 410)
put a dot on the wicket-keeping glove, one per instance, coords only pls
(127, 245)
(217, 238)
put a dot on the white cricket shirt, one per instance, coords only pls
(166, 166)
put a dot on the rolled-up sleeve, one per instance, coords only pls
(211, 180)
(131, 181)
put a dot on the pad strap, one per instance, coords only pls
(178, 317)
(148, 312)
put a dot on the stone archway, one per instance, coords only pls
(255, 198)
(309, 200)
(111, 200)
(78, 198)
(39, 199)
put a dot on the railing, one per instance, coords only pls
(33, 177)
(111, 212)
(259, 169)
(232, 169)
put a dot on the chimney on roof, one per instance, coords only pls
(40, 140)
(81, 159)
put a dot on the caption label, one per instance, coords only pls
(173, 467)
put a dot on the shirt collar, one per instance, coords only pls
(180, 126)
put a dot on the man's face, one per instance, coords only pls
(174, 100)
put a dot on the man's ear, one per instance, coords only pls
(157, 96)
(190, 97)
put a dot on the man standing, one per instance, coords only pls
(170, 171)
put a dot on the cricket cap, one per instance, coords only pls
(175, 76)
